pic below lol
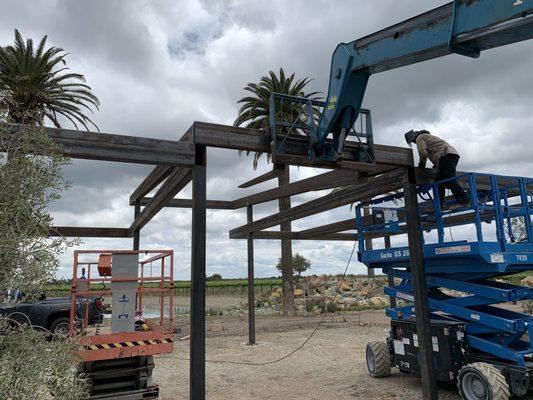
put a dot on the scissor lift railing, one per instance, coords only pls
(460, 274)
(157, 338)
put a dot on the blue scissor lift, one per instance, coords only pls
(484, 345)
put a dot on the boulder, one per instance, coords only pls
(376, 301)
(315, 283)
(318, 296)
(345, 286)
(527, 281)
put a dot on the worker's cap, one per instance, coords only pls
(410, 137)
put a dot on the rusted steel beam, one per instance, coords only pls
(187, 203)
(420, 290)
(175, 182)
(246, 139)
(154, 178)
(334, 227)
(119, 148)
(76, 231)
(198, 257)
(323, 181)
(372, 187)
(277, 235)
(262, 178)
(251, 286)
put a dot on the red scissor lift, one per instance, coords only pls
(119, 365)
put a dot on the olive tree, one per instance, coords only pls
(31, 365)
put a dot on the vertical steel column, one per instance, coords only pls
(197, 346)
(137, 233)
(368, 244)
(416, 252)
(251, 288)
(390, 278)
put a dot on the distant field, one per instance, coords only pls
(224, 286)
(221, 286)
(187, 284)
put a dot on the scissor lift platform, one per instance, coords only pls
(117, 360)
(461, 277)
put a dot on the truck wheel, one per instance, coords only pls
(482, 381)
(59, 327)
(378, 359)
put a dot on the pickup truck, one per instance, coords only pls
(52, 314)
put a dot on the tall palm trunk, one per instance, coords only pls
(287, 275)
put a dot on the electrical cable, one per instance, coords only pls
(303, 343)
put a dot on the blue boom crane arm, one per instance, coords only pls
(465, 27)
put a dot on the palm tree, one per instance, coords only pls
(254, 113)
(35, 85)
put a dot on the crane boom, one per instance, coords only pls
(464, 27)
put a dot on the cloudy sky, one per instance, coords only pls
(157, 66)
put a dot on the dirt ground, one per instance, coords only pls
(331, 365)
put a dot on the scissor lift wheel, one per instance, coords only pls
(378, 359)
(482, 381)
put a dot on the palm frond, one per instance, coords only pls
(36, 82)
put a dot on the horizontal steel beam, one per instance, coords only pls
(372, 187)
(323, 181)
(187, 203)
(119, 148)
(277, 235)
(246, 139)
(334, 227)
(75, 231)
(262, 178)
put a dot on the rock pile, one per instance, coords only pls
(314, 293)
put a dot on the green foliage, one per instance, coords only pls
(33, 367)
(331, 307)
(34, 82)
(33, 88)
(214, 277)
(31, 180)
(300, 264)
(182, 284)
(255, 109)
(310, 305)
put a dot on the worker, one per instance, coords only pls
(444, 157)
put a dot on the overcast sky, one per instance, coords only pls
(157, 66)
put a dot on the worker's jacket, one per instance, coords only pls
(433, 147)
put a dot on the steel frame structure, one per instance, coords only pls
(392, 170)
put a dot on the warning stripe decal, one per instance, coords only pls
(127, 344)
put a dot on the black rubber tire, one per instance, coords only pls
(482, 381)
(59, 327)
(378, 359)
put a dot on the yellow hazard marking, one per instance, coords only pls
(120, 345)
(331, 102)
